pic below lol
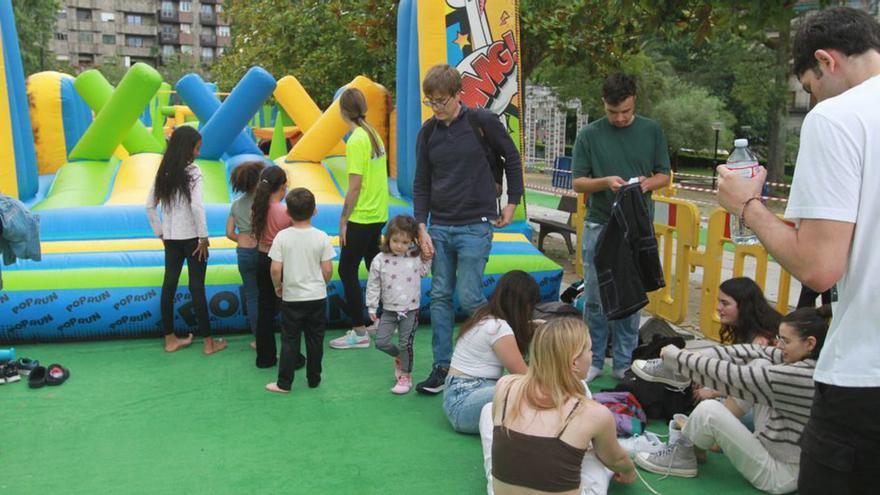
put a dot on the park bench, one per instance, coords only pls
(567, 204)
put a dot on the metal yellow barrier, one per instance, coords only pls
(677, 229)
(712, 260)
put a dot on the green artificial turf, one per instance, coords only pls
(133, 419)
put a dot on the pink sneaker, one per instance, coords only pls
(397, 371)
(404, 384)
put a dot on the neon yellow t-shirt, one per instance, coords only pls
(372, 204)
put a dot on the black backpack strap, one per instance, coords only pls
(493, 155)
(429, 127)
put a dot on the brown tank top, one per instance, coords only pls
(540, 463)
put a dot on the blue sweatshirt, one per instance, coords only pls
(453, 180)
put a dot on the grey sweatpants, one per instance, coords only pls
(405, 324)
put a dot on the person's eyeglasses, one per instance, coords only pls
(436, 103)
(783, 342)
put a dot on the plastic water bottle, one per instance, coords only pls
(7, 354)
(743, 162)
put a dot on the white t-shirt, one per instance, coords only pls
(300, 252)
(473, 354)
(837, 178)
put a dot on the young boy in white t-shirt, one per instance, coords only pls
(301, 267)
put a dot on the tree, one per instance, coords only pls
(687, 116)
(324, 43)
(35, 23)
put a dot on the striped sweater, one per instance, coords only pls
(758, 375)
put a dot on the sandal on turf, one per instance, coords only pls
(37, 377)
(56, 374)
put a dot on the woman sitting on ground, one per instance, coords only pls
(495, 338)
(544, 424)
(778, 381)
(746, 318)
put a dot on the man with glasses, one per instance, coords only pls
(834, 200)
(454, 185)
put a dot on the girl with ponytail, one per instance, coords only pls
(364, 213)
(268, 217)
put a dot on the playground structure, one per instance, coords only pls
(85, 154)
(545, 122)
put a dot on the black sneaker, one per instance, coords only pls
(9, 373)
(435, 383)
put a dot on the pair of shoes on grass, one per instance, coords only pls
(52, 375)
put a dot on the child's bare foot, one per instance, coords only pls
(253, 344)
(213, 345)
(175, 343)
(273, 387)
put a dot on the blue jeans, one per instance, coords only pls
(625, 332)
(460, 256)
(247, 267)
(463, 400)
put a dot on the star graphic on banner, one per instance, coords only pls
(462, 40)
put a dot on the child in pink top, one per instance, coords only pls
(268, 218)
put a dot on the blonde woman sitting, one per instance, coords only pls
(545, 429)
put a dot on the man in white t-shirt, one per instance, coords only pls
(835, 201)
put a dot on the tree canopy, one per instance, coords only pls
(35, 23)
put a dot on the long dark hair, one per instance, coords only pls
(244, 177)
(811, 322)
(271, 179)
(353, 106)
(756, 318)
(172, 180)
(401, 224)
(515, 296)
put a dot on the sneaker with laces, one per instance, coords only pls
(594, 373)
(351, 340)
(678, 459)
(9, 373)
(403, 386)
(435, 383)
(653, 370)
(397, 369)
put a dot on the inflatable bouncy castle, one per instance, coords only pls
(83, 156)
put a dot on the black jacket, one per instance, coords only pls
(627, 261)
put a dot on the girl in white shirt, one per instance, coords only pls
(495, 338)
(184, 233)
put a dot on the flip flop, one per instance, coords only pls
(56, 374)
(37, 377)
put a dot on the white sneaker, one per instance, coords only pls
(594, 373)
(646, 442)
(653, 370)
(351, 340)
(678, 459)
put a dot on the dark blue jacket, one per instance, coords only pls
(453, 181)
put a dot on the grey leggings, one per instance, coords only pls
(405, 324)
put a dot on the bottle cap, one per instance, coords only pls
(741, 143)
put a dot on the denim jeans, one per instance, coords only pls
(624, 332)
(460, 256)
(463, 400)
(247, 267)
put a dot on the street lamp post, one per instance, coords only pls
(716, 126)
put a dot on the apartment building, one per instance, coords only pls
(139, 31)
